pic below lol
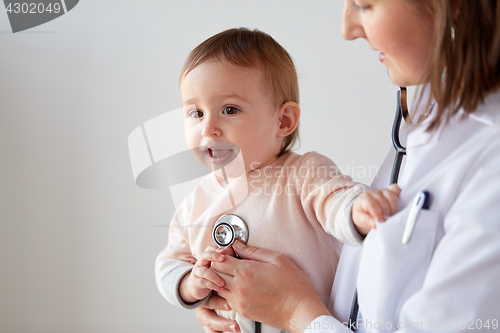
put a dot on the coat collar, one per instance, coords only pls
(487, 113)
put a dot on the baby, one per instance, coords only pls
(240, 100)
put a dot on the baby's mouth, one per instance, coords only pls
(219, 156)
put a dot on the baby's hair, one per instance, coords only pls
(252, 49)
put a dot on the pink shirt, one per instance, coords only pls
(293, 206)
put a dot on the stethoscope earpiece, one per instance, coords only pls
(229, 228)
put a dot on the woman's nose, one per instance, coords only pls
(351, 27)
(211, 127)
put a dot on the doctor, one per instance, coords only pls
(447, 276)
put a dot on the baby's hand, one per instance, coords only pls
(374, 205)
(202, 279)
(228, 251)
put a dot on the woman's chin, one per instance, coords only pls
(402, 80)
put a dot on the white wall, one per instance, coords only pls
(76, 246)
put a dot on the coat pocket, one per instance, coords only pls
(390, 272)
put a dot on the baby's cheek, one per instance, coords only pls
(194, 140)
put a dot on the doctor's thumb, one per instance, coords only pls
(250, 252)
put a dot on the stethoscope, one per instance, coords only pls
(227, 229)
(401, 111)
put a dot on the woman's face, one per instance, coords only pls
(400, 29)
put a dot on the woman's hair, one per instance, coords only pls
(463, 68)
(252, 49)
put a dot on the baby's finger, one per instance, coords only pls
(207, 257)
(395, 188)
(216, 302)
(364, 223)
(208, 275)
(211, 248)
(203, 284)
(377, 206)
(229, 251)
(393, 200)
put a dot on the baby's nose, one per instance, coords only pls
(211, 128)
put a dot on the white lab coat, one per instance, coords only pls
(448, 276)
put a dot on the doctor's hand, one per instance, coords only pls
(198, 283)
(268, 287)
(210, 321)
(374, 205)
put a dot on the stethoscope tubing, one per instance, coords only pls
(400, 150)
(398, 159)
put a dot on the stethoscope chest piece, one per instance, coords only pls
(229, 228)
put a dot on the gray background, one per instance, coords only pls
(77, 248)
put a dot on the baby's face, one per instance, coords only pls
(227, 110)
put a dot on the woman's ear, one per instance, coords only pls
(289, 115)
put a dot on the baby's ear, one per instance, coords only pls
(289, 115)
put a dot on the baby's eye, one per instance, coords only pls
(230, 110)
(196, 114)
(360, 7)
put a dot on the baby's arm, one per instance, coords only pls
(374, 205)
(327, 197)
(174, 265)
